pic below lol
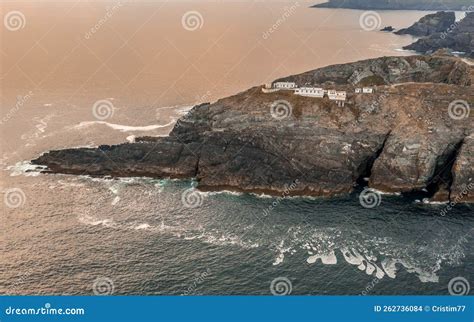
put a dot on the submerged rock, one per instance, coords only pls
(388, 29)
(402, 137)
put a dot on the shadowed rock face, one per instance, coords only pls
(401, 138)
(387, 29)
(458, 37)
(430, 24)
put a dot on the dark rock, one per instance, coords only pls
(388, 29)
(462, 189)
(401, 137)
(163, 158)
(458, 37)
(396, 4)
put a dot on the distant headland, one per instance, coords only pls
(461, 5)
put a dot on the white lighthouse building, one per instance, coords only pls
(310, 92)
(338, 96)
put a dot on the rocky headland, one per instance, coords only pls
(412, 135)
(458, 36)
(430, 24)
(387, 29)
(460, 5)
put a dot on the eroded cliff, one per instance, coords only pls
(402, 138)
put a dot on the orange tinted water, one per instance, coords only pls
(140, 57)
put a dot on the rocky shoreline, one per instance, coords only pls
(459, 5)
(440, 30)
(430, 24)
(405, 137)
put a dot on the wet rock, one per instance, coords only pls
(401, 137)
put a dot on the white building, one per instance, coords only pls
(367, 90)
(332, 94)
(310, 92)
(341, 98)
(358, 90)
(268, 88)
(284, 85)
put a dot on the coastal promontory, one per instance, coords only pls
(459, 36)
(404, 126)
(430, 24)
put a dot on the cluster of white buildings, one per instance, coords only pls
(364, 90)
(338, 96)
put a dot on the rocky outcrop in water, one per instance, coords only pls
(430, 24)
(402, 138)
(458, 37)
(387, 29)
(397, 4)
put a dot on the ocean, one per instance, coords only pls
(79, 235)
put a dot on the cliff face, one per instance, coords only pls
(391, 70)
(430, 24)
(397, 4)
(463, 181)
(401, 138)
(458, 37)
